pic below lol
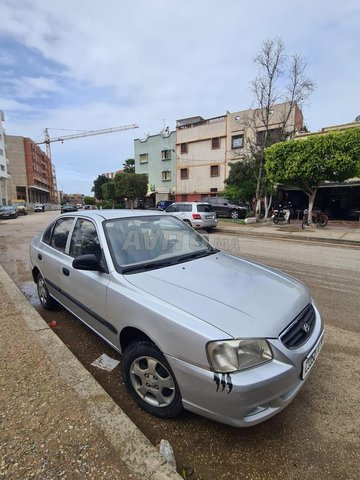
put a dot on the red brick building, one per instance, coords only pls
(32, 179)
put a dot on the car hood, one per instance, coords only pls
(239, 297)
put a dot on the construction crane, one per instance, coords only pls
(88, 133)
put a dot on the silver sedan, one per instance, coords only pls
(198, 329)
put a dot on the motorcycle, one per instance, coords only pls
(282, 214)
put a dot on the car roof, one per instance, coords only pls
(113, 213)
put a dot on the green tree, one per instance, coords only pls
(308, 162)
(131, 185)
(109, 193)
(98, 183)
(241, 182)
(89, 200)
(129, 166)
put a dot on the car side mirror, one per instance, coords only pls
(87, 262)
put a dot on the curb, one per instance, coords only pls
(272, 236)
(133, 448)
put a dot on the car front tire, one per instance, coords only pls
(150, 380)
(46, 300)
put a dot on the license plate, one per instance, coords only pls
(309, 361)
(210, 217)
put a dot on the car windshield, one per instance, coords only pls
(6, 207)
(144, 243)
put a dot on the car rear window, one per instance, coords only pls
(204, 208)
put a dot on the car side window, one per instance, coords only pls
(85, 239)
(47, 235)
(61, 233)
(172, 208)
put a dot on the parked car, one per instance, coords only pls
(163, 204)
(185, 316)
(196, 214)
(224, 208)
(21, 209)
(68, 208)
(39, 207)
(8, 211)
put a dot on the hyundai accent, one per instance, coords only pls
(198, 329)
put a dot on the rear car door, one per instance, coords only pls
(52, 254)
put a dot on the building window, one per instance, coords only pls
(183, 148)
(184, 173)
(213, 190)
(215, 143)
(143, 157)
(214, 171)
(166, 155)
(274, 135)
(237, 141)
(1, 152)
(166, 175)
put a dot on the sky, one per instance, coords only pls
(87, 65)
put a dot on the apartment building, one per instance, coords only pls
(206, 147)
(32, 178)
(200, 157)
(156, 156)
(4, 176)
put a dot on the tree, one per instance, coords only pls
(241, 183)
(281, 79)
(129, 166)
(131, 185)
(109, 193)
(308, 162)
(89, 200)
(98, 183)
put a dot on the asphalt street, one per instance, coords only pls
(316, 436)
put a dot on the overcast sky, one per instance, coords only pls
(88, 65)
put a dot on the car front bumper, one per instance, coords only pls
(246, 398)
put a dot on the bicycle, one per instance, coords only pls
(319, 218)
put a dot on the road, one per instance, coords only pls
(316, 436)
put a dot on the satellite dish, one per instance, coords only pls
(357, 119)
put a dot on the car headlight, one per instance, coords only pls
(235, 355)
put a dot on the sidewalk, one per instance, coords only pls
(56, 421)
(342, 233)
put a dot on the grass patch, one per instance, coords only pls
(233, 220)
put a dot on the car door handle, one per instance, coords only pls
(39, 256)
(66, 272)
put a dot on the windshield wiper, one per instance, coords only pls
(147, 266)
(201, 253)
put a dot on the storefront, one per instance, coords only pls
(340, 201)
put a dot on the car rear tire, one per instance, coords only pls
(234, 214)
(46, 300)
(150, 380)
(187, 222)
